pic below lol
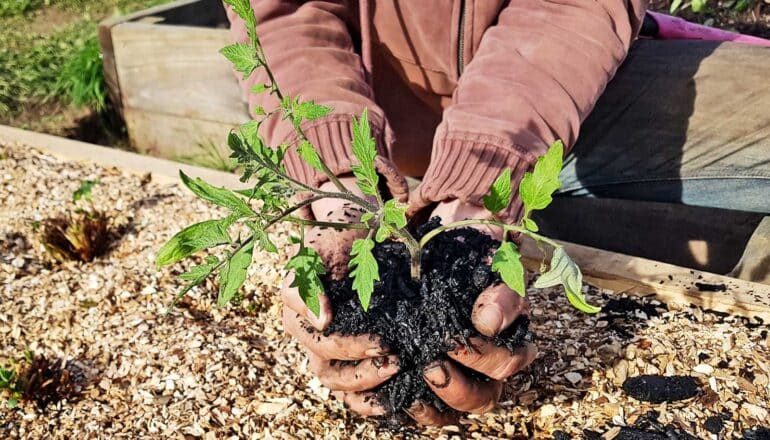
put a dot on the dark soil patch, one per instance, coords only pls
(757, 434)
(49, 381)
(706, 287)
(659, 389)
(420, 322)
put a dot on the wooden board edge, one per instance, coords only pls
(112, 21)
(669, 283)
(164, 171)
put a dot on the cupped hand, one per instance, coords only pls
(494, 310)
(348, 365)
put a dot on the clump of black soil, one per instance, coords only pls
(648, 427)
(421, 322)
(757, 434)
(659, 389)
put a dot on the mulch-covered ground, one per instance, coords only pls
(204, 372)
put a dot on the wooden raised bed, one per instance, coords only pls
(163, 70)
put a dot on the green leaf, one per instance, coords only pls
(196, 274)
(233, 273)
(218, 196)
(309, 154)
(393, 219)
(309, 110)
(84, 192)
(530, 224)
(698, 5)
(507, 262)
(308, 267)
(194, 238)
(365, 270)
(249, 131)
(242, 56)
(243, 9)
(259, 88)
(365, 151)
(674, 6)
(12, 402)
(499, 193)
(537, 187)
(564, 271)
(367, 217)
(263, 239)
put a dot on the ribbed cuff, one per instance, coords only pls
(332, 136)
(464, 165)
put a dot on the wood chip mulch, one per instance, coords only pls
(205, 372)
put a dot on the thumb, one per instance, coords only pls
(416, 201)
(334, 248)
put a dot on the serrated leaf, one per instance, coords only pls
(564, 271)
(242, 56)
(192, 239)
(393, 219)
(196, 274)
(233, 273)
(309, 110)
(365, 150)
(507, 262)
(308, 267)
(218, 196)
(499, 196)
(84, 191)
(537, 187)
(309, 154)
(249, 131)
(530, 224)
(263, 239)
(365, 270)
(243, 9)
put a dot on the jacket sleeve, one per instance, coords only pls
(535, 77)
(310, 50)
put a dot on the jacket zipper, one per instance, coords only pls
(461, 40)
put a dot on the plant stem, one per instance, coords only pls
(300, 133)
(506, 229)
(415, 252)
(320, 224)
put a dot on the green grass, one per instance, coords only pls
(41, 62)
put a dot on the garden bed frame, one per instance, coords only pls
(609, 270)
(166, 76)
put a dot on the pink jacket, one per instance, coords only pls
(489, 83)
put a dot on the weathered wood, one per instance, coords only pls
(172, 136)
(178, 71)
(669, 283)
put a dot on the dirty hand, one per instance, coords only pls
(370, 365)
(495, 309)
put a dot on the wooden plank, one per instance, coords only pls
(108, 63)
(177, 70)
(162, 170)
(172, 136)
(669, 283)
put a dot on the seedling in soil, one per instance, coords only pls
(384, 219)
(426, 278)
(81, 235)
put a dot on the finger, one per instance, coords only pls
(493, 361)
(428, 415)
(347, 348)
(291, 299)
(334, 246)
(496, 308)
(359, 376)
(363, 403)
(459, 391)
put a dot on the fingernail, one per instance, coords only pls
(437, 375)
(388, 367)
(319, 322)
(490, 319)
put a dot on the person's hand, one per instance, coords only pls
(494, 310)
(348, 365)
